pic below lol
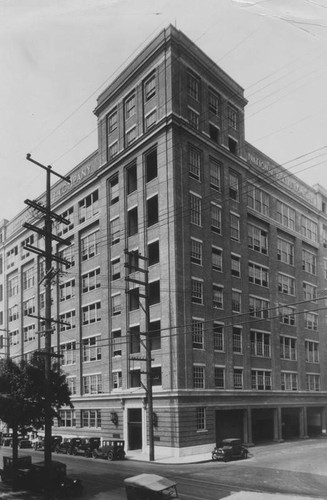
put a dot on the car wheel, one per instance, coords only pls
(94, 454)
(214, 457)
(110, 455)
(226, 459)
(244, 454)
(73, 452)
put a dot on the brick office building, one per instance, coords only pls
(237, 269)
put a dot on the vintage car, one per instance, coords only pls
(111, 449)
(85, 446)
(229, 449)
(25, 443)
(38, 443)
(32, 477)
(150, 487)
(68, 445)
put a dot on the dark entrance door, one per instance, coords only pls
(135, 428)
(229, 424)
(262, 424)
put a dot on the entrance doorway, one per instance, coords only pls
(135, 428)
(229, 423)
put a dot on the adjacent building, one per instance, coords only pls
(237, 266)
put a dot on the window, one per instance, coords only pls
(257, 239)
(215, 211)
(258, 275)
(115, 231)
(238, 378)
(134, 299)
(200, 419)
(14, 337)
(11, 256)
(28, 241)
(89, 206)
(213, 132)
(232, 117)
(90, 245)
(115, 269)
(135, 378)
(91, 418)
(150, 87)
(193, 118)
(156, 375)
(13, 286)
(151, 119)
(116, 304)
(131, 177)
(197, 291)
(236, 265)
(67, 290)
(213, 102)
(285, 251)
(91, 280)
(91, 313)
(67, 321)
(232, 145)
(258, 307)
(67, 418)
(92, 348)
(309, 228)
(117, 343)
(112, 121)
(237, 339)
(155, 335)
(195, 209)
(194, 163)
(68, 353)
(29, 333)
(311, 351)
(217, 259)
(258, 200)
(67, 254)
(219, 377)
(218, 336)
(132, 221)
(234, 227)
(117, 380)
(193, 86)
(64, 228)
(313, 382)
(285, 215)
(309, 292)
(197, 333)
(289, 381)
(151, 165)
(236, 301)
(114, 190)
(154, 292)
(196, 251)
(153, 253)
(152, 210)
(198, 377)
(130, 136)
(130, 106)
(287, 315)
(286, 284)
(309, 262)
(29, 306)
(92, 384)
(311, 321)
(260, 344)
(13, 313)
(234, 186)
(217, 296)
(215, 174)
(261, 380)
(28, 278)
(288, 348)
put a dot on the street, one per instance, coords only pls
(298, 468)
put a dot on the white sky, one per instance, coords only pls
(56, 56)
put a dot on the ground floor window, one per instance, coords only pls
(91, 418)
(67, 418)
(200, 419)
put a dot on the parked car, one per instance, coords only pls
(150, 487)
(111, 449)
(86, 446)
(67, 446)
(25, 443)
(229, 449)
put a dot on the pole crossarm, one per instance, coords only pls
(45, 211)
(48, 168)
(43, 253)
(42, 232)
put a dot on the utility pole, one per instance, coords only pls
(48, 215)
(132, 265)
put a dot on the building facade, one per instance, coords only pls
(237, 266)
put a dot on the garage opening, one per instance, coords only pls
(290, 423)
(229, 423)
(262, 425)
(135, 428)
(314, 421)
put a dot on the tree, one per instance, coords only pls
(23, 396)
